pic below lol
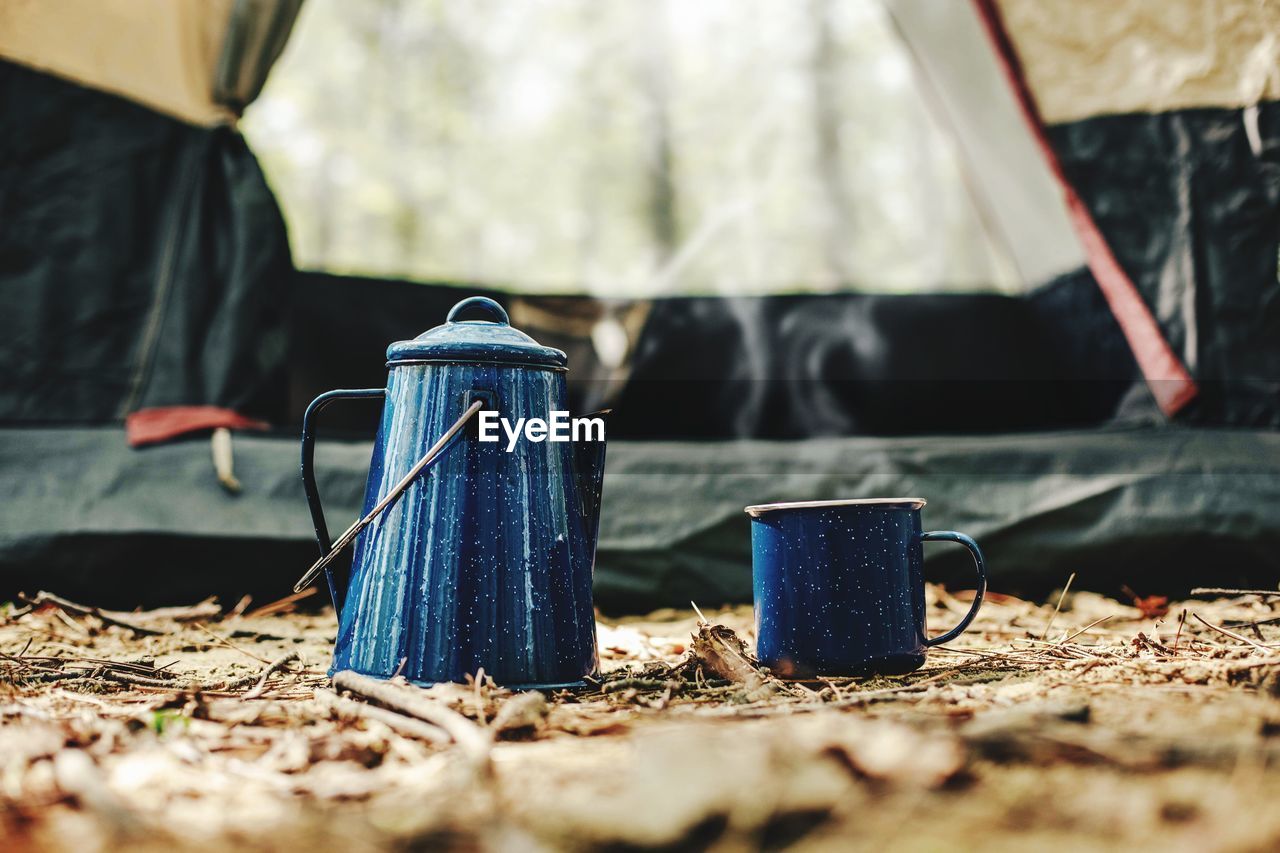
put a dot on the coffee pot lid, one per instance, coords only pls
(491, 339)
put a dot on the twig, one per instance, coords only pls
(254, 678)
(1059, 607)
(477, 689)
(283, 605)
(206, 609)
(1086, 628)
(350, 709)
(1060, 648)
(1005, 656)
(523, 711)
(1233, 635)
(81, 661)
(258, 688)
(1230, 623)
(622, 684)
(75, 626)
(1213, 590)
(133, 621)
(125, 677)
(134, 675)
(702, 620)
(414, 702)
(110, 617)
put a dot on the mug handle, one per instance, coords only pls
(979, 563)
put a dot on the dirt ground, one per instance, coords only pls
(1094, 725)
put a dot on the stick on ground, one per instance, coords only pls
(413, 701)
(350, 709)
(266, 674)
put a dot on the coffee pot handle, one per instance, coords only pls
(979, 564)
(336, 590)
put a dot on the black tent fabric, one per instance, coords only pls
(777, 367)
(788, 367)
(143, 261)
(1192, 211)
(1159, 509)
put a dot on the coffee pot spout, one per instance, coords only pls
(588, 458)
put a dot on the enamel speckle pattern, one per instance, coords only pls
(485, 561)
(839, 590)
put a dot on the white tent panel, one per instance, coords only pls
(1020, 196)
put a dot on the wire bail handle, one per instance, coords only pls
(396, 491)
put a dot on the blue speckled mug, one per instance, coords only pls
(839, 586)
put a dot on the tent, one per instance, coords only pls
(1117, 419)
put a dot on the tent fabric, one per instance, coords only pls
(1170, 382)
(1146, 507)
(143, 261)
(256, 35)
(1009, 177)
(771, 367)
(788, 367)
(200, 61)
(1194, 217)
(1181, 208)
(1158, 509)
(1087, 58)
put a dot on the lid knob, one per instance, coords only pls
(477, 331)
(492, 311)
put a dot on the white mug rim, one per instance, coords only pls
(756, 510)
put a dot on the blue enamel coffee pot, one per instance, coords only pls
(469, 555)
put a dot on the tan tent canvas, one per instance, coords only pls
(197, 60)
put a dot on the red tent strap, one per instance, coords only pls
(1170, 383)
(151, 426)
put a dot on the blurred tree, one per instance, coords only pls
(653, 76)
(838, 225)
(624, 148)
